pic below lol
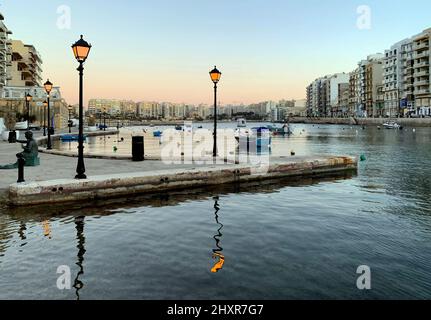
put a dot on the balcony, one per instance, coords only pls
(422, 45)
(422, 83)
(422, 73)
(423, 54)
(422, 64)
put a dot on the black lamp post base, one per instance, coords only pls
(81, 176)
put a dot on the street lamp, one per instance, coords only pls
(81, 49)
(45, 106)
(70, 118)
(28, 99)
(215, 77)
(48, 88)
(104, 119)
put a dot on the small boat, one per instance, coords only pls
(392, 125)
(283, 131)
(242, 123)
(188, 128)
(21, 125)
(157, 134)
(264, 139)
(70, 137)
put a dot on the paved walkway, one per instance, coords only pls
(59, 167)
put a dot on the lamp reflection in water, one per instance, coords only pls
(218, 252)
(79, 223)
(47, 229)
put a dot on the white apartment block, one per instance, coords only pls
(332, 93)
(393, 79)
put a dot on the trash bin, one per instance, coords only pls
(12, 137)
(138, 148)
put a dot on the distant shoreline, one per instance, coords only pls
(407, 122)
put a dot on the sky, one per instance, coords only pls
(163, 50)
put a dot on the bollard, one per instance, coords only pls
(21, 163)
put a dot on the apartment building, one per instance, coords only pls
(407, 87)
(342, 109)
(393, 79)
(13, 100)
(323, 93)
(332, 92)
(421, 73)
(5, 53)
(316, 98)
(370, 77)
(26, 66)
(150, 110)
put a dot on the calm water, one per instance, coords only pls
(303, 239)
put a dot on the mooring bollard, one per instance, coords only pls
(21, 163)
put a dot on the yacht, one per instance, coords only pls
(242, 123)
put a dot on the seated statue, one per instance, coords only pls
(30, 153)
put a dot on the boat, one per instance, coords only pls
(283, 131)
(241, 123)
(188, 127)
(70, 137)
(263, 137)
(392, 125)
(157, 134)
(21, 125)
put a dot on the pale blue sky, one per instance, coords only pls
(162, 50)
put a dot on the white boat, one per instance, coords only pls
(392, 125)
(242, 123)
(21, 125)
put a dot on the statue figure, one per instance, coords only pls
(30, 153)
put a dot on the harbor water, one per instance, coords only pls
(300, 239)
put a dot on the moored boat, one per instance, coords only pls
(70, 137)
(392, 125)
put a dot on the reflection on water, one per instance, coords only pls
(78, 284)
(217, 253)
(310, 235)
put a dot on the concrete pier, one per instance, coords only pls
(124, 184)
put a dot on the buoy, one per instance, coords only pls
(363, 157)
(414, 130)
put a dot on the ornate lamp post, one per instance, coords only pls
(215, 77)
(48, 88)
(81, 49)
(70, 118)
(28, 99)
(104, 119)
(45, 106)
